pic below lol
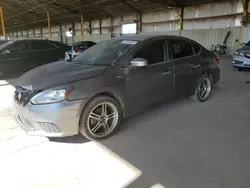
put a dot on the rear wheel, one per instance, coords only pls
(100, 118)
(203, 89)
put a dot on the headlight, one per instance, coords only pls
(238, 53)
(50, 96)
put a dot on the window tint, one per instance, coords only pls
(40, 45)
(180, 48)
(52, 45)
(153, 52)
(19, 47)
(196, 48)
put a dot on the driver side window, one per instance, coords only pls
(153, 52)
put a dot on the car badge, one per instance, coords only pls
(19, 95)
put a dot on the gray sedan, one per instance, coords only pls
(241, 58)
(112, 80)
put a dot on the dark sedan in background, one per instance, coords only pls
(3, 41)
(112, 80)
(19, 56)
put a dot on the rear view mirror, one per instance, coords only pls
(243, 44)
(139, 62)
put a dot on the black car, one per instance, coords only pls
(22, 55)
(112, 80)
(3, 41)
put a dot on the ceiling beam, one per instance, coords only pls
(131, 6)
(97, 7)
(32, 9)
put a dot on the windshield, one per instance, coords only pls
(105, 53)
(248, 44)
(5, 45)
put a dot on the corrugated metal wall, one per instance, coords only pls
(206, 24)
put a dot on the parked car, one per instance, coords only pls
(22, 55)
(241, 57)
(78, 48)
(112, 80)
(3, 41)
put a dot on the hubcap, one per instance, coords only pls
(102, 119)
(204, 89)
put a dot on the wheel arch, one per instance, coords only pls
(112, 96)
(203, 72)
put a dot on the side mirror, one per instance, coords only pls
(5, 52)
(243, 44)
(139, 62)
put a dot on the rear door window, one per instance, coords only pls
(40, 45)
(180, 48)
(196, 48)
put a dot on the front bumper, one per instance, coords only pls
(240, 62)
(51, 120)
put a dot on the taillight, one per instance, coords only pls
(76, 49)
(217, 59)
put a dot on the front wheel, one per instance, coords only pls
(100, 118)
(203, 89)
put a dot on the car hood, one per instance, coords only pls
(57, 74)
(244, 49)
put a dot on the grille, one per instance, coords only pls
(247, 55)
(25, 124)
(49, 127)
(23, 96)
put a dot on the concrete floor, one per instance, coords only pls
(179, 145)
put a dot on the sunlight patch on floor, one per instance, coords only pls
(61, 165)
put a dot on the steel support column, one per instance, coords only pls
(181, 13)
(49, 27)
(100, 26)
(73, 32)
(90, 28)
(2, 22)
(61, 33)
(82, 27)
(245, 14)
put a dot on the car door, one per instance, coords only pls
(153, 83)
(16, 58)
(187, 66)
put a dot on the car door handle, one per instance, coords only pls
(195, 66)
(167, 72)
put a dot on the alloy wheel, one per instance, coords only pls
(102, 119)
(204, 88)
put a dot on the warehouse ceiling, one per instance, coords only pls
(27, 13)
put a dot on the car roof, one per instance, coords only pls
(142, 37)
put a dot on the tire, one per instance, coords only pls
(91, 126)
(240, 69)
(197, 92)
